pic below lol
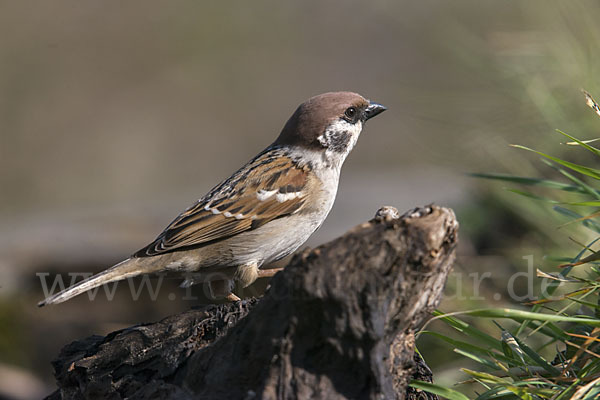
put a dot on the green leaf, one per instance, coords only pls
(468, 347)
(449, 394)
(580, 184)
(519, 315)
(550, 289)
(591, 203)
(497, 392)
(590, 224)
(567, 392)
(580, 142)
(584, 141)
(548, 328)
(487, 378)
(533, 196)
(591, 172)
(579, 261)
(508, 391)
(511, 343)
(520, 392)
(480, 360)
(531, 182)
(539, 360)
(592, 394)
(468, 330)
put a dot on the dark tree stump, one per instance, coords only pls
(337, 323)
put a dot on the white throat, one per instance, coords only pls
(339, 139)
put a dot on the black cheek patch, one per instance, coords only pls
(339, 142)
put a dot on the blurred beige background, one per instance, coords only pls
(115, 116)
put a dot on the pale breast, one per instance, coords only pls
(276, 238)
(281, 237)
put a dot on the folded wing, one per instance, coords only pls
(269, 187)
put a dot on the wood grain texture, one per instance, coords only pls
(337, 323)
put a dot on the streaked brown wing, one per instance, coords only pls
(267, 188)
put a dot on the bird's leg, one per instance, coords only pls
(232, 297)
(220, 288)
(268, 273)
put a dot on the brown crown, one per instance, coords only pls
(313, 116)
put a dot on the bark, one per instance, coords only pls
(337, 323)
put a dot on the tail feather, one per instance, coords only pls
(123, 270)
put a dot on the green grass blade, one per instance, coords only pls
(539, 360)
(497, 392)
(593, 306)
(468, 330)
(534, 196)
(591, 203)
(468, 347)
(581, 143)
(487, 378)
(445, 392)
(551, 289)
(531, 182)
(581, 185)
(588, 223)
(566, 393)
(522, 393)
(591, 172)
(549, 329)
(513, 345)
(592, 394)
(520, 315)
(478, 359)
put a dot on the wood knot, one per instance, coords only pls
(387, 213)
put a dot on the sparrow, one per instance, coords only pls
(262, 213)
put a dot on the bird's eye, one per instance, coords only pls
(350, 112)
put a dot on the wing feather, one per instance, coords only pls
(260, 192)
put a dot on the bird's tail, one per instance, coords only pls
(123, 270)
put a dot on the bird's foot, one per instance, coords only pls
(232, 297)
(268, 273)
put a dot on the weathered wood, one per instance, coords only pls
(337, 323)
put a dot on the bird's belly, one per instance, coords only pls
(281, 237)
(269, 242)
(274, 240)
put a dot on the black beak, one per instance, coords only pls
(373, 109)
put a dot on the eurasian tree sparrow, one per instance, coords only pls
(263, 212)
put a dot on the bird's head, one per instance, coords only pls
(330, 123)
